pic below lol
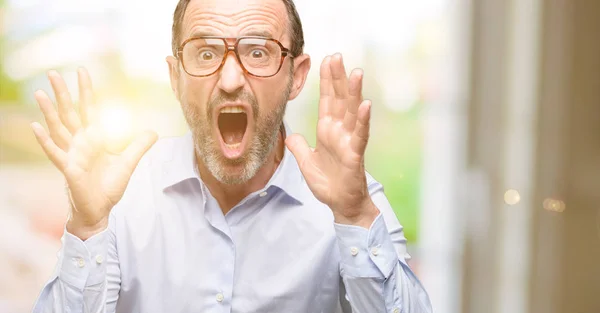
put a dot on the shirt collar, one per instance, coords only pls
(288, 176)
(182, 166)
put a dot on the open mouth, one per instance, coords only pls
(233, 123)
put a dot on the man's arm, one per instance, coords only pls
(376, 276)
(87, 277)
(373, 264)
(87, 273)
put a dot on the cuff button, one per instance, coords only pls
(375, 251)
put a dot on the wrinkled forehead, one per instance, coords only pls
(234, 18)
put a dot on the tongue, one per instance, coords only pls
(232, 137)
(232, 127)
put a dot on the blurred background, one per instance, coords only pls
(485, 132)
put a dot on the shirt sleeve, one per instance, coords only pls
(87, 276)
(373, 265)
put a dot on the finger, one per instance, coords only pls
(360, 137)
(86, 95)
(340, 86)
(326, 88)
(67, 114)
(52, 151)
(299, 147)
(58, 132)
(133, 154)
(355, 98)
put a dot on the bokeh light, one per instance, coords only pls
(512, 197)
(554, 205)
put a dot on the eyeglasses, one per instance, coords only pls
(258, 56)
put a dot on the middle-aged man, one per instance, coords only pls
(239, 215)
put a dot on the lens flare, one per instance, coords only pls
(116, 122)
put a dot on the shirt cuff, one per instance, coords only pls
(366, 252)
(80, 263)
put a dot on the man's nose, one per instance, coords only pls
(232, 75)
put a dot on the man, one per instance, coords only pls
(239, 215)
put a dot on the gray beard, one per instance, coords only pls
(267, 126)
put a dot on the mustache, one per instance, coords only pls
(241, 96)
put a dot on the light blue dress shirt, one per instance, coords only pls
(169, 248)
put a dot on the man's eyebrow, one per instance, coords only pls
(259, 33)
(201, 33)
(253, 32)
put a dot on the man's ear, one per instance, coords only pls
(301, 68)
(173, 74)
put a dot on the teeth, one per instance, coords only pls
(233, 146)
(232, 109)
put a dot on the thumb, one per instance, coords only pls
(134, 152)
(299, 148)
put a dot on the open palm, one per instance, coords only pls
(96, 179)
(334, 169)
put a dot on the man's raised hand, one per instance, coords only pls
(76, 146)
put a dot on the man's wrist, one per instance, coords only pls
(368, 213)
(84, 232)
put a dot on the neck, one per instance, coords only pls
(230, 195)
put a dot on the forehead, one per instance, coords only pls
(234, 18)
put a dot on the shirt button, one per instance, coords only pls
(220, 297)
(262, 194)
(396, 310)
(354, 251)
(99, 259)
(80, 262)
(374, 251)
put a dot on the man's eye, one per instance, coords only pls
(257, 54)
(206, 56)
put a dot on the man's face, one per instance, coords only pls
(235, 117)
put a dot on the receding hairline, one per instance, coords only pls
(293, 27)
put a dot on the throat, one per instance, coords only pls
(232, 127)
